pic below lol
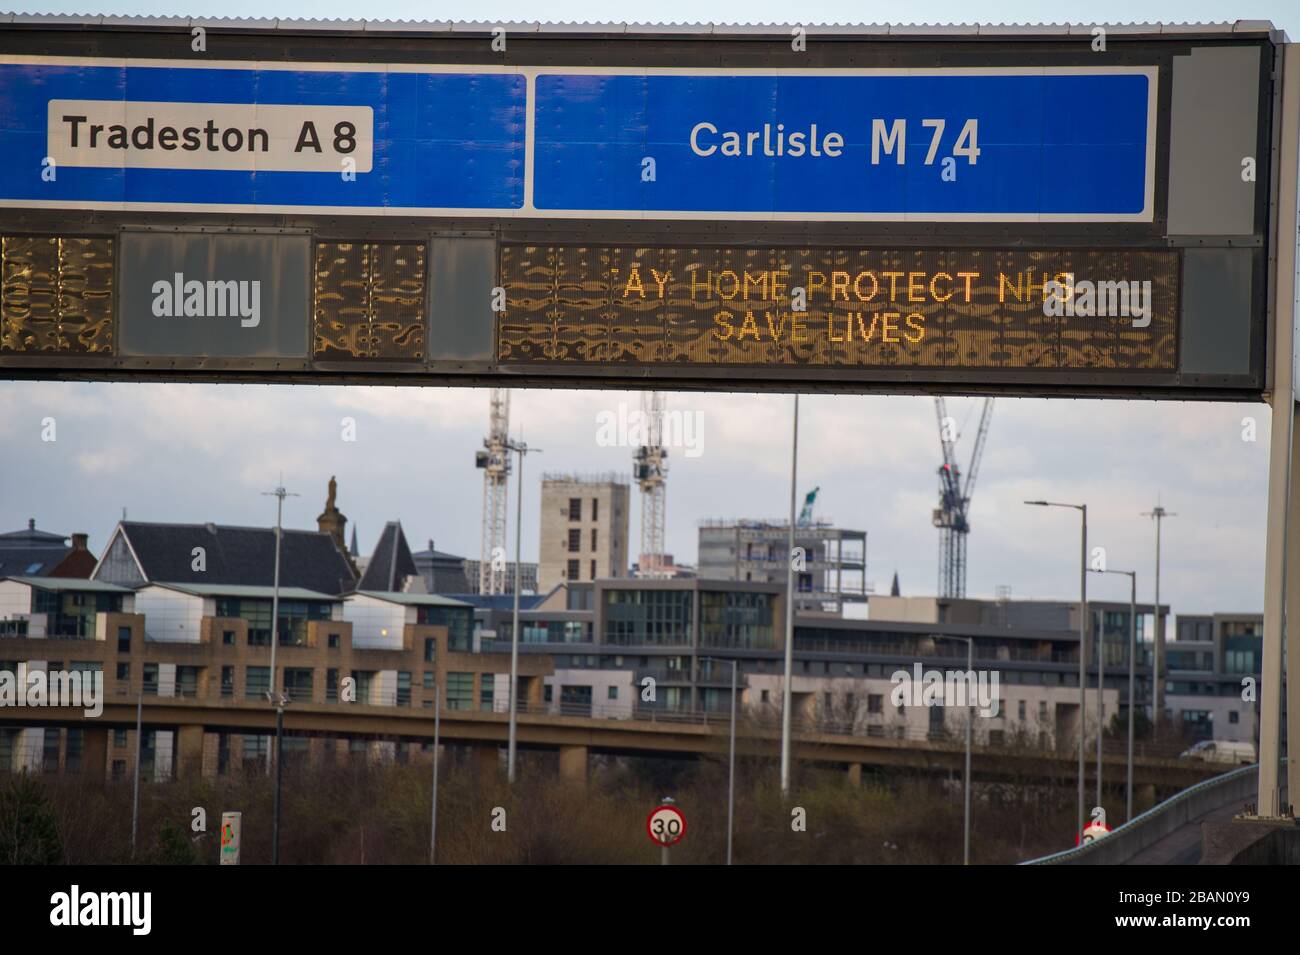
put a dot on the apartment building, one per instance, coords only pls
(609, 637)
(52, 624)
(830, 568)
(1209, 663)
(584, 529)
(210, 642)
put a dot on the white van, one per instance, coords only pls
(1222, 751)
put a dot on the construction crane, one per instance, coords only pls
(952, 516)
(650, 469)
(494, 459)
(806, 515)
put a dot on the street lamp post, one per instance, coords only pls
(521, 449)
(279, 781)
(1157, 514)
(731, 758)
(970, 719)
(433, 810)
(1132, 680)
(1083, 633)
(786, 693)
(273, 753)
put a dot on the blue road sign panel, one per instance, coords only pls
(1050, 144)
(262, 137)
(1045, 144)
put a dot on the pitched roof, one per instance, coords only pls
(500, 601)
(29, 538)
(30, 561)
(391, 562)
(246, 590)
(70, 583)
(414, 600)
(239, 555)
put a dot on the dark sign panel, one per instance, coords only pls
(958, 309)
(214, 295)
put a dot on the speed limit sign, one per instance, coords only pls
(665, 826)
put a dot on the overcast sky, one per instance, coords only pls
(197, 453)
(206, 452)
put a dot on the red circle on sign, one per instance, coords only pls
(654, 812)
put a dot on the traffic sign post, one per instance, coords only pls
(666, 826)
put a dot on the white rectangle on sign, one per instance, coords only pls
(239, 136)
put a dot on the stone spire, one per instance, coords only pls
(332, 521)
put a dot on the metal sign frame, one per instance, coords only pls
(767, 50)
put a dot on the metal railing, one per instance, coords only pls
(1147, 829)
(990, 735)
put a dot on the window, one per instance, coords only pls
(298, 684)
(575, 540)
(403, 687)
(1234, 717)
(593, 570)
(331, 686)
(1020, 711)
(460, 691)
(572, 571)
(257, 683)
(75, 750)
(257, 748)
(613, 693)
(333, 640)
(595, 508)
(875, 703)
(50, 755)
(227, 682)
(575, 509)
(228, 638)
(119, 770)
(119, 738)
(361, 683)
(486, 688)
(458, 621)
(123, 639)
(1042, 711)
(428, 679)
(547, 694)
(593, 538)
(150, 686)
(763, 696)
(430, 649)
(124, 673)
